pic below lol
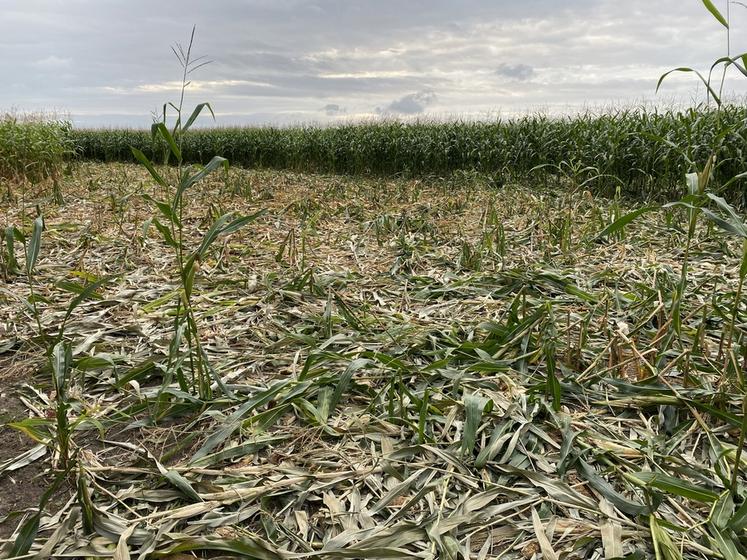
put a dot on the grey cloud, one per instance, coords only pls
(518, 72)
(53, 62)
(287, 60)
(412, 104)
(264, 61)
(333, 109)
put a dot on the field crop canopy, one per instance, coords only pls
(33, 147)
(646, 152)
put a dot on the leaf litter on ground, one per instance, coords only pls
(414, 369)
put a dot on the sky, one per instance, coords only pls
(280, 62)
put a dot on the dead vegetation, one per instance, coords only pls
(435, 369)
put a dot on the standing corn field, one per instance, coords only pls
(636, 147)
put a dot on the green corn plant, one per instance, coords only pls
(621, 143)
(60, 358)
(57, 350)
(739, 62)
(171, 211)
(728, 220)
(62, 365)
(33, 148)
(31, 249)
(697, 184)
(575, 173)
(731, 222)
(724, 127)
(699, 177)
(60, 362)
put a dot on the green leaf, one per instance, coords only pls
(187, 181)
(553, 389)
(141, 157)
(188, 276)
(663, 546)
(714, 11)
(232, 423)
(730, 61)
(497, 440)
(18, 234)
(11, 234)
(242, 450)
(729, 227)
(193, 117)
(722, 511)
(222, 226)
(37, 429)
(603, 487)
(734, 179)
(312, 414)
(724, 543)
(30, 529)
(706, 82)
(84, 499)
(245, 547)
(675, 147)
(34, 244)
(345, 380)
(62, 360)
(623, 221)
(738, 521)
(161, 129)
(75, 288)
(473, 409)
(423, 416)
(165, 233)
(182, 484)
(26, 536)
(92, 363)
(675, 486)
(736, 221)
(164, 208)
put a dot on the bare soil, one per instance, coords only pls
(21, 489)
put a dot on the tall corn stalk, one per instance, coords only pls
(200, 374)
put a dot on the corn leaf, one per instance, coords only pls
(711, 7)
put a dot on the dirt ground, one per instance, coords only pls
(21, 489)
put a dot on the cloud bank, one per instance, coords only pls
(291, 61)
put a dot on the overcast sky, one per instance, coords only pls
(107, 62)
